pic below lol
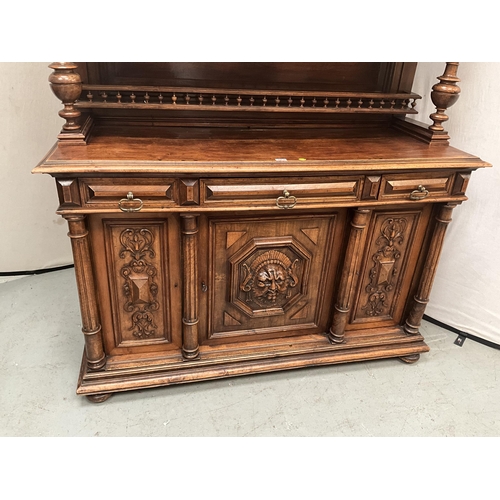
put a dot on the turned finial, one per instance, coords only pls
(444, 94)
(67, 86)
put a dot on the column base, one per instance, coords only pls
(191, 354)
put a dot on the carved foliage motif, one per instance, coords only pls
(385, 269)
(139, 288)
(270, 278)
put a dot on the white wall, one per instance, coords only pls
(33, 236)
(466, 292)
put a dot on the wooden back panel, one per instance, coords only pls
(312, 76)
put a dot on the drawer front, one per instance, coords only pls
(416, 186)
(279, 192)
(128, 195)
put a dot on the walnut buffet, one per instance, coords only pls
(236, 218)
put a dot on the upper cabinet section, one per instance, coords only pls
(145, 96)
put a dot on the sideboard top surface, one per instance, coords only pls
(185, 150)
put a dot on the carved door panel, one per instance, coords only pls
(392, 247)
(138, 280)
(270, 276)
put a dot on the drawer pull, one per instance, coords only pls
(130, 198)
(419, 194)
(290, 201)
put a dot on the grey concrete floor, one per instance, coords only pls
(451, 391)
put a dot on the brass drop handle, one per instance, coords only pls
(290, 201)
(130, 198)
(419, 194)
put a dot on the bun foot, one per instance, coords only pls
(99, 398)
(412, 358)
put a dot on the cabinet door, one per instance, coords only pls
(392, 247)
(269, 276)
(137, 267)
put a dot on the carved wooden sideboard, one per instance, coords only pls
(236, 218)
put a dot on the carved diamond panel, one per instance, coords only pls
(139, 285)
(136, 276)
(389, 247)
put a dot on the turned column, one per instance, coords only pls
(350, 272)
(91, 326)
(421, 298)
(67, 86)
(190, 347)
(444, 94)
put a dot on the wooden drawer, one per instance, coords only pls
(416, 186)
(280, 192)
(114, 193)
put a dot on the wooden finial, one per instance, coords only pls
(67, 86)
(444, 94)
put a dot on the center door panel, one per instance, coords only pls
(268, 276)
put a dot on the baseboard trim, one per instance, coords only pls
(460, 332)
(36, 271)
